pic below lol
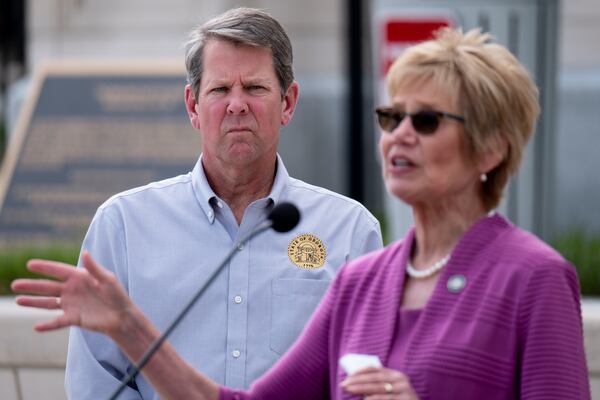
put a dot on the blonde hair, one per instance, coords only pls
(494, 91)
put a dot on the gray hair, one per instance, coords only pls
(247, 26)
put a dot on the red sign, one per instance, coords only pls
(402, 32)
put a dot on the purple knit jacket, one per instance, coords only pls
(514, 331)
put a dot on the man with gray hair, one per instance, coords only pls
(162, 241)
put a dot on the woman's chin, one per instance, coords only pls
(403, 194)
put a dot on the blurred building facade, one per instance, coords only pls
(315, 144)
(578, 118)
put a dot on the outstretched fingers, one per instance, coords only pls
(48, 303)
(94, 268)
(62, 321)
(42, 287)
(58, 270)
(90, 297)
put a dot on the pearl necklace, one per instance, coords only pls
(427, 272)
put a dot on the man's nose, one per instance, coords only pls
(237, 104)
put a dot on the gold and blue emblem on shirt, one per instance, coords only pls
(307, 251)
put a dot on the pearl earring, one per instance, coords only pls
(483, 178)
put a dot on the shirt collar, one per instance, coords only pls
(207, 198)
(204, 193)
(279, 183)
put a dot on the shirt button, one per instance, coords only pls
(240, 246)
(236, 354)
(237, 299)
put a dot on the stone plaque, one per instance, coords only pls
(86, 133)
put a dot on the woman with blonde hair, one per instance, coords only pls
(466, 306)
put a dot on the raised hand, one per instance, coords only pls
(376, 383)
(90, 297)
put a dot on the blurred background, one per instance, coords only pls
(91, 103)
(339, 48)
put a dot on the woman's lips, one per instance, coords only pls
(402, 162)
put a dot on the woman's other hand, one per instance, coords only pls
(378, 384)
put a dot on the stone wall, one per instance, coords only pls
(32, 364)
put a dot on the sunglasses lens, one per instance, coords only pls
(388, 120)
(425, 122)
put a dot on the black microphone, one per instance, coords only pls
(282, 218)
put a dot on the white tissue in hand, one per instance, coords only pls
(354, 362)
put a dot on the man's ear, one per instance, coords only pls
(190, 106)
(288, 105)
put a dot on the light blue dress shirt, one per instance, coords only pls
(163, 240)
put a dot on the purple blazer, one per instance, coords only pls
(513, 331)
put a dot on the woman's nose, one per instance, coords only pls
(405, 131)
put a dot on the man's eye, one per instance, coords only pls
(221, 89)
(256, 87)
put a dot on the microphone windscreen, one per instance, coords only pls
(284, 217)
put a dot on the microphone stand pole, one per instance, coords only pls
(136, 367)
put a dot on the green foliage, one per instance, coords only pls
(583, 251)
(13, 261)
(380, 215)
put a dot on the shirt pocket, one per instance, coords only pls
(292, 303)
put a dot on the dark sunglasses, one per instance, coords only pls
(424, 122)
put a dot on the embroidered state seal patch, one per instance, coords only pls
(307, 251)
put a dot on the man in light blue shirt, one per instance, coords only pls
(163, 240)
